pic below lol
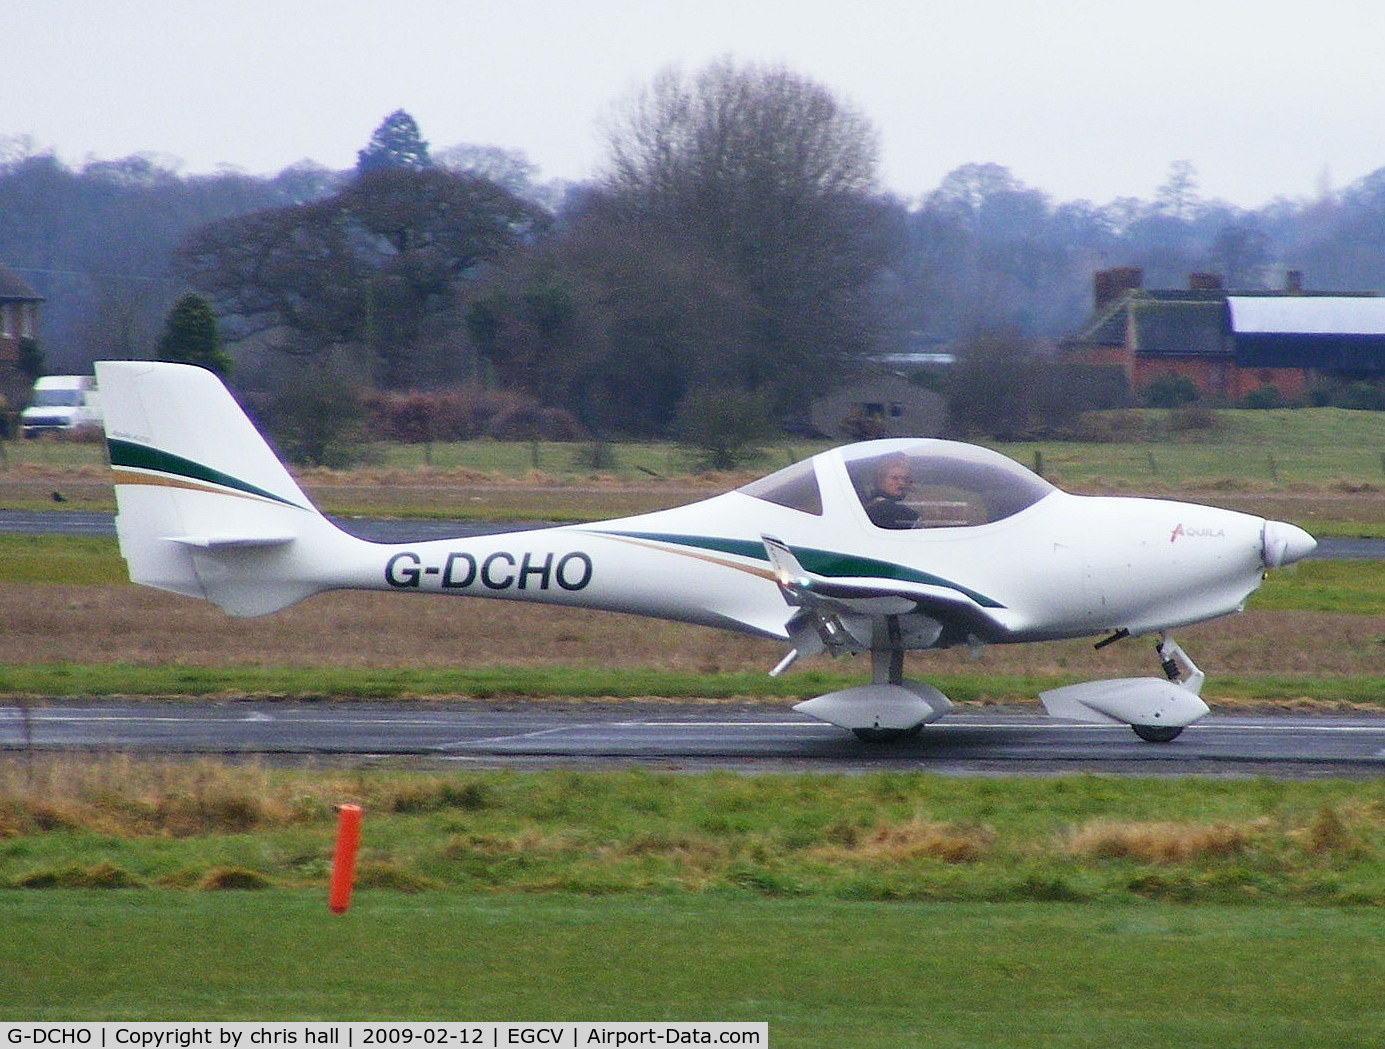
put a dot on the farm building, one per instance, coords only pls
(1230, 344)
(880, 405)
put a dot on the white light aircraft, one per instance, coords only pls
(881, 548)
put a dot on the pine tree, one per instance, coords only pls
(395, 144)
(190, 336)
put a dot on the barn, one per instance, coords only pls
(1230, 344)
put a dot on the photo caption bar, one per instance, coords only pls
(384, 1035)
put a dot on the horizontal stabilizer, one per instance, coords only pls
(231, 542)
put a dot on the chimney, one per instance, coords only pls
(1293, 282)
(1204, 282)
(1109, 285)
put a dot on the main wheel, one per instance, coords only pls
(886, 735)
(1157, 733)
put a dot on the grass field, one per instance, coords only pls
(1321, 446)
(821, 974)
(878, 910)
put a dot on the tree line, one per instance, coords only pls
(735, 251)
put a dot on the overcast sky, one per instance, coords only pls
(1081, 98)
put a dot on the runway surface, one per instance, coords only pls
(746, 738)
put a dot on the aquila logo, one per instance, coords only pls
(1197, 533)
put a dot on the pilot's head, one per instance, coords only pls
(892, 476)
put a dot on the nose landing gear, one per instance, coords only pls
(1176, 665)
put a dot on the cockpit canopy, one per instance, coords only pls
(944, 484)
(915, 484)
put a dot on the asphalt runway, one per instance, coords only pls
(692, 737)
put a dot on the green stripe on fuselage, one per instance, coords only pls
(820, 562)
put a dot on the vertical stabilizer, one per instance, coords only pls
(204, 506)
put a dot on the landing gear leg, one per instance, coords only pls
(887, 668)
(887, 663)
(1176, 665)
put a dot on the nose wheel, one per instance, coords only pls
(1157, 733)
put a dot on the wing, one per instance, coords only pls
(838, 611)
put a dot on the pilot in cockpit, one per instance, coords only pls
(885, 504)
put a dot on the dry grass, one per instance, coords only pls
(96, 625)
(124, 796)
(915, 839)
(112, 821)
(1341, 831)
(125, 624)
(1334, 832)
(141, 627)
(1159, 842)
(103, 875)
(221, 878)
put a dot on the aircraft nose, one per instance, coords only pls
(1283, 544)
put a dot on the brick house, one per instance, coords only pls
(19, 305)
(1229, 343)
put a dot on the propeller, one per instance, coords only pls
(1283, 544)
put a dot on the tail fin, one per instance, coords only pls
(205, 507)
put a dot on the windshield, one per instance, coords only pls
(57, 398)
(794, 486)
(940, 484)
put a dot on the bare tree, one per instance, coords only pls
(505, 167)
(1178, 197)
(773, 177)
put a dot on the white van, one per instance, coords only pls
(61, 402)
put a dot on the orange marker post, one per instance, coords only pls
(344, 858)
